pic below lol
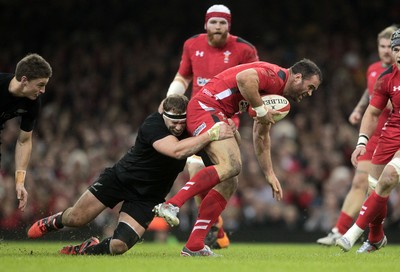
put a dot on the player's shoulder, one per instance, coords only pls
(195, 39)
(388, 72)
(241, 42)
(153, 120)
(376, 66)
(154, 126)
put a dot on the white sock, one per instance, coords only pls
(353, 234)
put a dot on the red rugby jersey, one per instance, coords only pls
(388, 87)
(222, 91)
(373, 73)
(203, 61)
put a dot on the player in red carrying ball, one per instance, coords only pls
(221, 98)
(204, 56)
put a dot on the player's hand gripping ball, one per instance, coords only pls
(275, 102)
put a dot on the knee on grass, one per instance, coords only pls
(124, 238)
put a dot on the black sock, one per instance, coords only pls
(103, 248)
(58, 222)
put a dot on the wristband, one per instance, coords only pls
(261, 111)
(20, 177)
(362, 140)
(214, 132)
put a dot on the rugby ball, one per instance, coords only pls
(275, 102)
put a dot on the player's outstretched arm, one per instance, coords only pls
(262, 148)
(23, 149)
(172, 147)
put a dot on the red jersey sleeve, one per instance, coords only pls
(185, 66)
(380, 95)
(270, 81)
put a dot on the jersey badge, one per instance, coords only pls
(226, 56)
(201, 81)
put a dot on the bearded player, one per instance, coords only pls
(204, 56)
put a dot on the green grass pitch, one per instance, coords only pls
(243, 257)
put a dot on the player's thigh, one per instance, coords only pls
(137, 214)
(390, 176)
(224, 152)
(376, 170)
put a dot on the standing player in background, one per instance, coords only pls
(20, 97)
(386, 157)
(356, 196)
(204, 56)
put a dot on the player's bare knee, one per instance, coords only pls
(360, 181)
(228, 187)
(123, 239)
(235, 167)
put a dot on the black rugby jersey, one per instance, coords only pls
(12, 106)
(144, 169)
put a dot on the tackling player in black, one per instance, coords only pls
(141, 179)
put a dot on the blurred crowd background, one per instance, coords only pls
(113, 62)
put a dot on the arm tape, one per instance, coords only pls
(362, 140)
(214, 132)
(20, 176)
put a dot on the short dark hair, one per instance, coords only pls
(307, 69)
(176, 103)
(33, 66)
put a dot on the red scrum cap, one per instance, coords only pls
(218, 11)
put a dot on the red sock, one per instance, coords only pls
(376, 227)
(344, 222)
(204, 180)
(210, 208)
(203, 194)
(371, 209)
